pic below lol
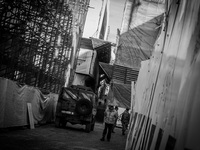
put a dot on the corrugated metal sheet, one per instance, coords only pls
(124, 75)
(120, 91)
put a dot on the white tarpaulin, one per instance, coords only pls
(13, 104)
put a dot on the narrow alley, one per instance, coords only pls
(71, 70)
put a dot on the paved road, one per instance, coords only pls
(48, 137)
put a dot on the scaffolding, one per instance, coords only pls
(35, 42)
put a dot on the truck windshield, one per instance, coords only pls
(77, 94)
(85, 95)
(69, 94)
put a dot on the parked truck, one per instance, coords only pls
(77, 103)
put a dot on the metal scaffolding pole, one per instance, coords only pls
(35, 42)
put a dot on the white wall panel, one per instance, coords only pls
(170, 89)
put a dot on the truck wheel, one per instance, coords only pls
(88, 127)
(63, 123)
(92, 127)
(57, 122)
(93, 124)
(84, 107)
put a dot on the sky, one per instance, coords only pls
(115, 18)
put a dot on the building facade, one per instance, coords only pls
(103, 28)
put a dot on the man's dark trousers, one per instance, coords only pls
(107, 128)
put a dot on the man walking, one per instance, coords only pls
(125, 120)
(114, 125)
(110, 116)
